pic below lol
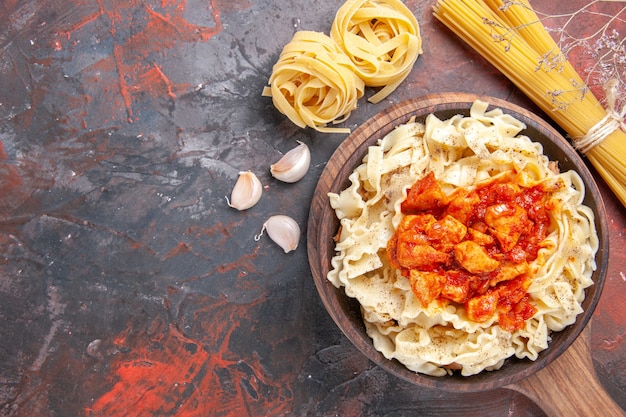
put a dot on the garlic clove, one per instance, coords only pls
(293, 165)
(246, 192)
(283, 230)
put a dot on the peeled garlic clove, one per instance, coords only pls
(283, 230)
(246, 192)
(293, 165)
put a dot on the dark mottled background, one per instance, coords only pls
(128, 287)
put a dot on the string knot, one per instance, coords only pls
(608, 124)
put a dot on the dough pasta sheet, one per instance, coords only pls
(460, 151)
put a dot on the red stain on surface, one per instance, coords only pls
(245, 263)
(155, 77)
(10, 181)
(178, 250)
(9, 177)
(217, 229)
(609, 319)
(143, 33)
(168, 373)
(615, 284)
(154, 30)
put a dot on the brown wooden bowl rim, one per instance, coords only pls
(322, 226)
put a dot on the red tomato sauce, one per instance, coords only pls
(473, 247)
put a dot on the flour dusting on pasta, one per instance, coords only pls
(464, 151)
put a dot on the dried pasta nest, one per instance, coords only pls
(318, 79)
(314, 83)
(382, 39)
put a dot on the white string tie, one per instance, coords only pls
(610, 123)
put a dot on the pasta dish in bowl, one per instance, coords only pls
(458, 240)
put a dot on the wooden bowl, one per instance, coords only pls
(323, 225)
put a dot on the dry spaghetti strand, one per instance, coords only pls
(512, 38)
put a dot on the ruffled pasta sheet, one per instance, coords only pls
(314, 83)
(460, 151)
(382, 39)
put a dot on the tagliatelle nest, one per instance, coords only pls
(318, 79)
(314, 83)
(382, 39)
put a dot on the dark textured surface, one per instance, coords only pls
(128, 286)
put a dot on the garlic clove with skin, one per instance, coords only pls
(293, 165)
(283, 230)
(246, 192)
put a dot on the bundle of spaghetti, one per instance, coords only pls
(382, 39)
(512, 38)
(314, 83)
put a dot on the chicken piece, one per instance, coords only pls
(506, 223)
(410, 230)
(426, 285)
(392, 252)
(513, 290)
(480, 226)
(509, 271)
(483, 239)
(415, 223)
(457, 286)
(425, 194)
(409, 247)
(474, 258)
(505, 191)
(479, 285)
(462, 205)
(518, 253)
(482, 307)
(445, 233)
(419, 256)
